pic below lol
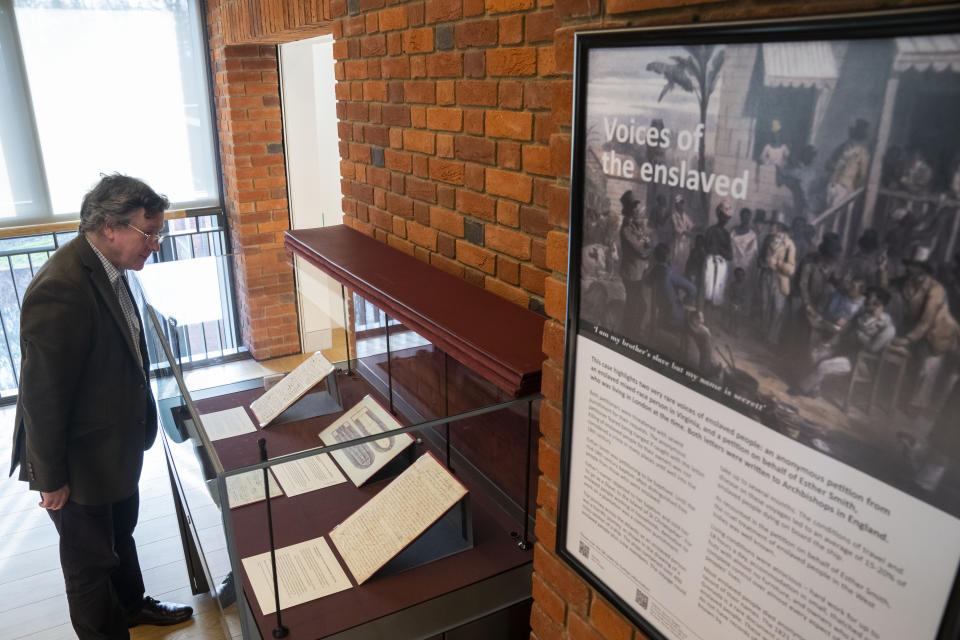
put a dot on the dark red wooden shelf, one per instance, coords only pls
(495, 338)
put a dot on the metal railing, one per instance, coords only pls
(198, 234)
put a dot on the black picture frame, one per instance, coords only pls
(875, 78)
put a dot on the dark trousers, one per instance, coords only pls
(100, 566)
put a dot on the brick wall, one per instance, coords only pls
(454, 120)
(249, 127)
(447, 134)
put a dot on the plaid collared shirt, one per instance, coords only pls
(120, 287)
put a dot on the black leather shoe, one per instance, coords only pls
(160, 614)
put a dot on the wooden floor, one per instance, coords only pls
(32, 600)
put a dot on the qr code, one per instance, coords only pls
(584, 550)
(641, 599)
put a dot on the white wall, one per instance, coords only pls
(313, 174)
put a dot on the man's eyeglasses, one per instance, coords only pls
(149, 237)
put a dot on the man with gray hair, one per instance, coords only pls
(85, 412)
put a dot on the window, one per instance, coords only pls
(101, 86)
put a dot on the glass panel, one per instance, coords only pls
(119, 86)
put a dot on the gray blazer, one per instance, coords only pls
(85, 413)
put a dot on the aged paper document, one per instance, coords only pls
(360, 462)
(393, 518)
(305, 571)
(293, 386)
(246, 488)
(308, 474)
(225, 424)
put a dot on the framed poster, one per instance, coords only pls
(762, 402)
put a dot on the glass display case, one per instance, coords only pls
(358, 514)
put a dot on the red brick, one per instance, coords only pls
(402, 245)
(548, 600)
(474, 176)
(393, 18)
(580, 629)
(546, 61)
(475, 149)
(446, 92)
(532, 279)
(509, 184)
(511, 29)
(580, 8)
(476, 33)
(508, 155)
(508, 270)
(479, 93)
(476, 257)
(418, 66)
(447, 246)
(397, 160)
(394, 43)
(561, 578)
(415, 140)
(472, 8)
(506, 6)
(415, 14)
(517, 125)
(446, 171)
(537, 159)
(395, 67)
(561, 100)
(421, 166)
(557, 251)
(447, 221)
(444, 118)
(507, 241)
(442, 10)
(517, 61)
(508, 213)
(608, 622)
(551, 418)
(444, 145)
(543, 626)
(540, 26)
(551, 387)
(546, 495)
(511, 94)
(560, 154)
(555, 299)
(419, 91)
(474, 64)
(445, 65)
(476, 204)
(375, 45)
(396, 115)
(400, 227)
(446, 196)
(420, 189)
(421, 235)
(418, 40)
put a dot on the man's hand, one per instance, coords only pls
(55, 499)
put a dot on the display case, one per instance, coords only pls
(397, 560)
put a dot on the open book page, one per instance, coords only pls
(308, 474)
(395, 517)
(247, 488)
(293, 386)
(305, 571)
(360, 462)
(226, 424)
